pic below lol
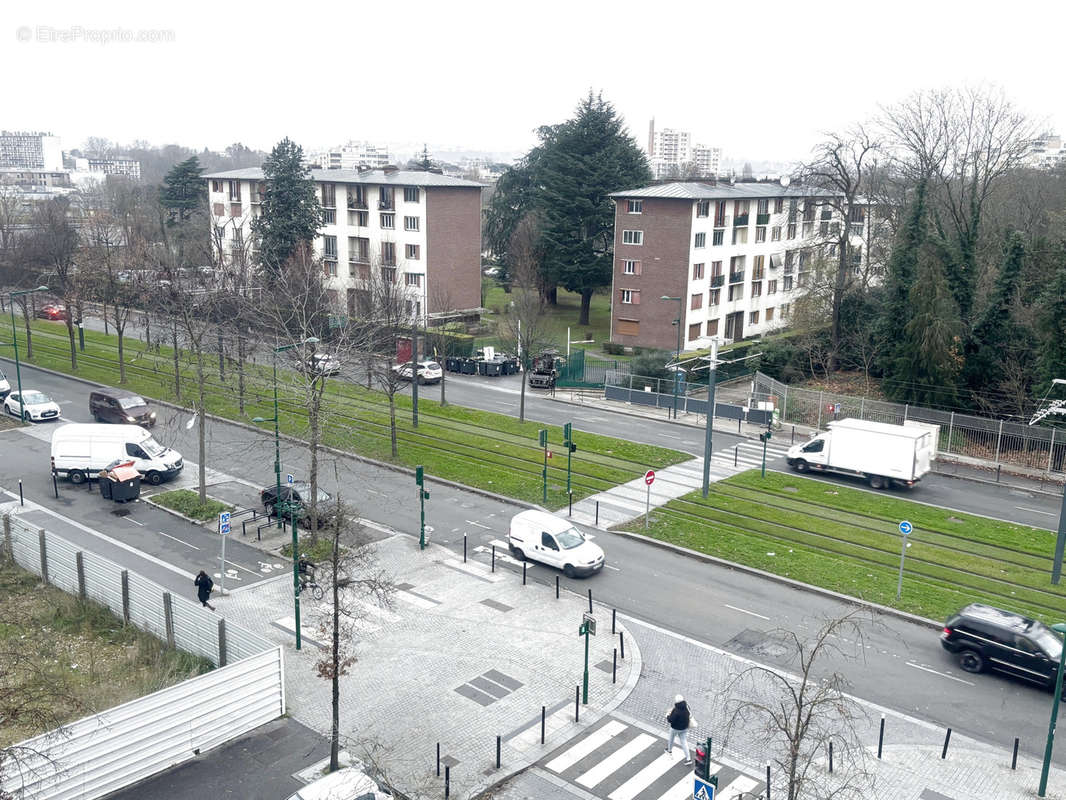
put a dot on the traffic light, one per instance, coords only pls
(420, 480)
(764, 436)
(703, 762)
(568, 437)
(543, 438)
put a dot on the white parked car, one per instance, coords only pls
(428, 371)
(5, 385)
(544, 537)
(324, 364)
(349, 783)
(35, 405)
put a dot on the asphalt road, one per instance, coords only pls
(903, 667)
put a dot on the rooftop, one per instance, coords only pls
(689, 190)
(377, 176)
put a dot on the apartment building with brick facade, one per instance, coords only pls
(738, 256)
(421, 229)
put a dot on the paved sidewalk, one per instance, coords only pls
(462, 656)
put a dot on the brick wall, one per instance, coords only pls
(453, 248)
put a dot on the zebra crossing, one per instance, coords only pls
(748, 454)
(616, 760)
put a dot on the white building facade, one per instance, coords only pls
(30, 151)
(352, 156)
(421, 229)
(670, 151)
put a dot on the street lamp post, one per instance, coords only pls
(677, 358)
(1058, 627)
(708, 433)
(279, 505)
(15, 342)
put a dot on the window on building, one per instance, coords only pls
(736, 268)
(216, 186)
(386, 199)
(696, 301)
(785, 309)
(758, 267)
(635, 206)
(715, 297)
(235, 209)
(411, 252)
(697, 272)
(632, 237)
(827, 212)
(779, 205)
(329, 195)
(770, 314)
(787, 283)
(630, 296)
(719, 214)
(329, 246)
(764, 205)
(388, 253)
(359, 271)
(695, 330)
(717, 238)
(808, 210)
(756, 289)
(410, 194)
(388, 221)
(736, 292)
(808, 229)
(630, 267)
(760, 234)
(627, 327)
(358, 248)
(740, 235)
(771, 286)
(716, 269)
(359, 219)
(329, 216)
(775, 233)
(329, 268)
(234, 190)
(792, 230)
(701, 240)
(823, 228)
(712, 327)
(357, 196)
(410, 223)
(218, 209)
(413, 279)
(753, 318)
(388, 274)
(703, 208)
(740, 209)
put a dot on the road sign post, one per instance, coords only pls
(905, 528)
(568, 442)
(588, 628)
(649, 479)
(764, 437)
(223, 530)
(423, 496)
(544, 471)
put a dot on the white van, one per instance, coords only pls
(81, 451)
(545, 537)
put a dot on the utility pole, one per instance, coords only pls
(414, 374)
(708, 434)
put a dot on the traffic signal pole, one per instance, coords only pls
(423, 495)
(544, 471)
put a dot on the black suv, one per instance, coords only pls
(985, 638)
(294, 498)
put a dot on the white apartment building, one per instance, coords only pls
(111, 165)
(1046, 152)
(736, 256)
(353, 155)
(419, 228)
(30, 151)
(669, 150)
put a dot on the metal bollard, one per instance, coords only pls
(22, 500)
(55, 484)
(570, 511)
(830, 755)
(447, 781)
(556, 587)
(543, 720)
(881, 736)
(590, 601)
(998, 468)
(438, 759)
(494, 558)
(767, 780)
(523, 573)
(736, 453)
(793, 434)
(614, 612)
(1014, 758)
(597, 513)
(577, 703)
(497, 752)
(622, 645)
(464, 548)
(614, 667)
(947, 738)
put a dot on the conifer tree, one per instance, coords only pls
(291, 214)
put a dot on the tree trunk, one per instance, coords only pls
(221, 357)
(105, 317)
(240, 373)
(148, 331)
(443, 402)
(586, 302)
(314, 423)
(177, 366)
(522, 395)
(392, 424)
(121, 354)
(70, 337)
(335, 726)
(202, 430)
(29, 335)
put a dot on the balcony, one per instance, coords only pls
(386, 205)
(736, 277)
(356, 204)
(757, 275)
(740, 220)
(717, 280)
(762, 219)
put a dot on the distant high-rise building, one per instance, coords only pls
(111, 165)
(351, 156)
(672, 154)
(30, 150)
(1046, 151)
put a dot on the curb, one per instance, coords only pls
(790, 582)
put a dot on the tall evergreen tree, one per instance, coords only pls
(1051, 327)
(901, 271)
(929, 357)
(183, 190)
(291, 214)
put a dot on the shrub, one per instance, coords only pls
(187, 502)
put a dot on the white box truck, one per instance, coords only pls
(81, 451)
(880, 453)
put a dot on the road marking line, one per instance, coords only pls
(941, 674)
(176, 539)
(745, 611)
(471, 522)
(238, 566)
(586, 746)
(616, 569)
(683, 788)
(599, 773)
(135, 522)
(1035, 511)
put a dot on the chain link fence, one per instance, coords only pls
(996, 442)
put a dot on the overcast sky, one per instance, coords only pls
(759, 79)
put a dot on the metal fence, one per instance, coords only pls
(98, 755)
(994, 441)
(584, 371)
(690, 398)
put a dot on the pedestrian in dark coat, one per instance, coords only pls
(204, 585)
(679, 720)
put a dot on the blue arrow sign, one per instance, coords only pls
(702, 790)
(905, 527)
(223, 522)
(290, 479)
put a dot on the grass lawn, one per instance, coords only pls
(82, 660)
(847, 540)
(565, 313)
(477, 448)
(187, 502)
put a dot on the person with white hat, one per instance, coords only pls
(680, 720)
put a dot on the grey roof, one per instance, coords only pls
(687, 190)
(376, 176)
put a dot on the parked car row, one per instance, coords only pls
(428, 371)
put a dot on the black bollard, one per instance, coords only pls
(55, 485)
(447, 781)
(577, 702)
(830, 755)
(614, 667)
(1014, 758)
(523, 573)
(438, 759)
(881, 736)
(543, 720)
(597, 513)
(22, 500)
(622, 645)
(556, 587)
(497, 752)
(614, 611)
(494, 558)
(590, 601)
(767, 780)
(464, 548)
